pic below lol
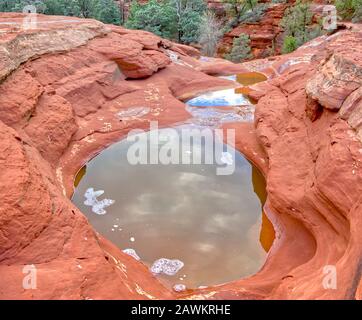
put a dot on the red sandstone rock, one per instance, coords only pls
(58, 111)
(52, 126)
(52, 34)
(217, 67)
(18, 98)
(336, 80)
(351, 111)
(133, 60)
(64, 107)
(263, 34)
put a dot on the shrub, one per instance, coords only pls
(296, 19)
(210, 32)
(297, 25)
(255, 15)
(290, 44)
(237, 8)
(154, 17)
(103, 10)
(350, 9)
(240, 50)
(173, 19)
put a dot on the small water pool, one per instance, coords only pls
(219, 98)
(208, 226)
(214, 108)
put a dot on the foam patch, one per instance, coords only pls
(97, 205)
(166, 266)
(132, 253)
(179, 287)
(227, 158)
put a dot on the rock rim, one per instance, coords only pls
(58, 108)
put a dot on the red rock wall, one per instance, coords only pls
(263, 34)
(58, 108)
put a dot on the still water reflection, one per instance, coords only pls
(186, 213)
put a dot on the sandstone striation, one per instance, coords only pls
(263, 34)
(62, 103)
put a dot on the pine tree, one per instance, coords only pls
(295, 21)
(241, 49)
(239, 7)
(290, 44)
(350, 9)
(108, 12)
(173, 19)
(297, 25)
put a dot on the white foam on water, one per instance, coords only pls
(179, 287)
(132, 253)
(98, 206)
(166, 266)
(227, 158)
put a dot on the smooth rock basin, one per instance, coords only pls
(214, 108)
(187, 213)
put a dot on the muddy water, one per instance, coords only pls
(211, 223)
(218, 107)
(231, 105)
(247, 78)
(210, 227)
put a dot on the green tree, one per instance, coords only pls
(290, 44)
(350, 9)
(188, 18)
(240, 50)
(87, 8)
(107, 11)
(103, 10)
(296, 19)
(189, 25)
(238, 7)
(173, 19)
(62, 7)
(297, 25)
(153, 16)
(18, 5)
(7, 5)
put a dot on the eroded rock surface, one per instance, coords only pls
(59, 110)
(62, 98)
(263, 33)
